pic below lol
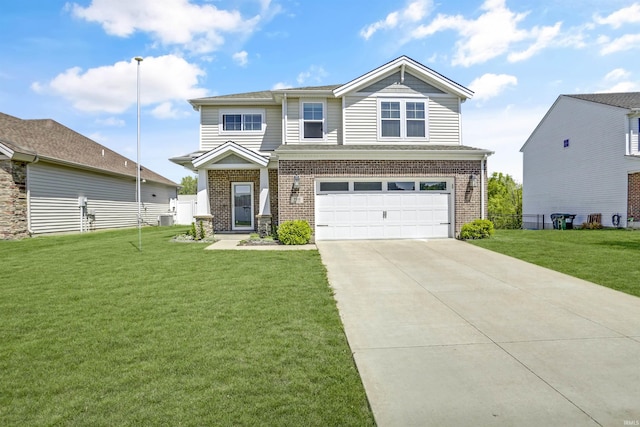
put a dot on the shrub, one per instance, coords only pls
(591, 226)
(477, 229)
(297, 232)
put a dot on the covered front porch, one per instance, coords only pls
(237, 189)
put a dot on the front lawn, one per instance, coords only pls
(93, 332)
(608, 257)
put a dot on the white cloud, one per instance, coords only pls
(626, 15)
(199, 28)
(492, 34)
(111, 122)
(281, 85)
(491, 85)
(624, 87)
(617, 74)
(618, 80)
(414, 11)
(314, 75)
(241, 58)
(165, 110)
(626, 42)
(112, 88)
(543, 38)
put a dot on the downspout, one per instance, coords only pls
(482, 191)
(342, 126)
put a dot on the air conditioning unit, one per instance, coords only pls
(165, 220)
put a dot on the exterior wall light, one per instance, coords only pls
(296, 182)
(473, 181)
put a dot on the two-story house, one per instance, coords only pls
(583, 158)
(378, 157)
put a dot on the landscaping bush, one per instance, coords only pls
(591, 226)
(297, 232)
(478, 229)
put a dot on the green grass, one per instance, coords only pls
(609, 257)
(93, 332)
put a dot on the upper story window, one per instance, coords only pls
(402, 119)
(313, 120)
(238, 121)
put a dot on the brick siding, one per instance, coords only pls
(467, 200)
(13, 200)
(633, 196)
(220, 194)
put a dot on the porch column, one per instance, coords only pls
(203, 193)
(203, 217)
(264, 209)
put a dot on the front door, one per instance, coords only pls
(242, 206)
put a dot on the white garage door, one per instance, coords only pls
(383, 215)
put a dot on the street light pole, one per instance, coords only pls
(138, 193)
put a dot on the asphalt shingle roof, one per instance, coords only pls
(622, 99)
(50, 140)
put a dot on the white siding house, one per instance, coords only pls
(56, 180)
(582, 159)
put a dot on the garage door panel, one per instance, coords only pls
(382, 215)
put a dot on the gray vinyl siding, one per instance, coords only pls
(333, 121)
(210, 136)
(590, 175)
(362, 116)
(54, 191)
(392, 84)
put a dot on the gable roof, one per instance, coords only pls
(626, 100)
(405, 63)
(630, 100)
(272, 97)
(46, 139)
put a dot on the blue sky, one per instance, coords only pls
(73, 61)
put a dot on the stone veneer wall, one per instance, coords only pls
(220, 194)
(467, 199)
(13, 200)
(633, 197)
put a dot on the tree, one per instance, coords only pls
(189, 185)
(505, 201)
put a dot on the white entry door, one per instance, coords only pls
(242, 206)
(382, 216)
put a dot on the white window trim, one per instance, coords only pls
(324, 118)
(403, 118)
(241, 111)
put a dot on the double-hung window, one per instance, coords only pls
(402, 119)
(237, 121)
(313, 120)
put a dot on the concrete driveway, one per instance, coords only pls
(448, 334)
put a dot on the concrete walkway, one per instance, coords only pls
(448, 334)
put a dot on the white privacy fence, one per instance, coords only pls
(185, 208)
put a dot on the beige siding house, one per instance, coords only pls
(53, 179)
(379, 157)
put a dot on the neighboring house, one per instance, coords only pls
(378, 157)
(583, 158)
(53, 179)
